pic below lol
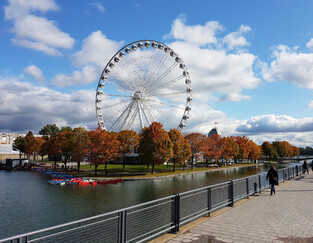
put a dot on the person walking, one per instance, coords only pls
(272, 176)
(305, 167)
(312, 165)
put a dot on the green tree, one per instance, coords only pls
(155, 146)
(19, 144)
(66, 129)
(49, 130)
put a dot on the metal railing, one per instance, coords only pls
(148, 220)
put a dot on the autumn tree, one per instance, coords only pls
(29, 144)
(181, 147)
(38, 142)
(129, 141)
(66, 146)
(230, 149)
(212, 147)
(244, 148)
(282, 148)
(103, 147)
(255, 150)
(80, 143)
(267, 149)
(53, 148)
(155, 146)
(196, 144)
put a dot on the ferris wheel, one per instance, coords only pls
(145, 81)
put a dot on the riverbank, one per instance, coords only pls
(138, 175)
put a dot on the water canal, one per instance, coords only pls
(28, 202)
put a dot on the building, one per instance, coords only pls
(6, 142)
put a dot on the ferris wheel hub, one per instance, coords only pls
(137, 95)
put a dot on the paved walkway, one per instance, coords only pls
(286, 216)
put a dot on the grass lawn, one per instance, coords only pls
(139, 171)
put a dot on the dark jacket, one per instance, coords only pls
(272, 175)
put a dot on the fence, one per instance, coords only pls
(148, 220)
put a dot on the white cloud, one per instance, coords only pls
(276, 124)
(28, 107)
(291, 66)
(236, 39)
(310, 105)
(98, 5)
(36, 32)
(216, 74)
(199, 35)
(96, 49)
(310, 44)
(87, 75)
(36, 73)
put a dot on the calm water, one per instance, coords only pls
(28, 202)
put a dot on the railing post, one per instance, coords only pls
(260, 184)
(297, 170)
(209, 201)
(231, 193)
(122, 227)
(176, 213)
(247, 186)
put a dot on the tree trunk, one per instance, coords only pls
(78, 166)
(152, 169)
(147, 167)
(124, 162)
(55, 163)
(192, 159)
(105, 168)
(96, 169)
(174, 167)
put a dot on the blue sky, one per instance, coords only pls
(250, 62)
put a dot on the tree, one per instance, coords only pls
(80, 144)
(129, 141)
(181, 148)
(268, 150)
(212, 147)
(19, 145)
(255, 150)
(196, 144)
(66, 129)
(38, 142)
(66, 146)
(53, 148)
(155, 146)
(244, 148)
(103, 147)
(49, 130)
(230, 149)
(29, 144)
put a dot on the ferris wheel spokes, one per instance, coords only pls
(142, 81)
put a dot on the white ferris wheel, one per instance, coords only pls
(145, 81)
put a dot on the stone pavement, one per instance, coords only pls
(286, 216)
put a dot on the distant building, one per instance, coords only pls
(213, 132)
(6, 150)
